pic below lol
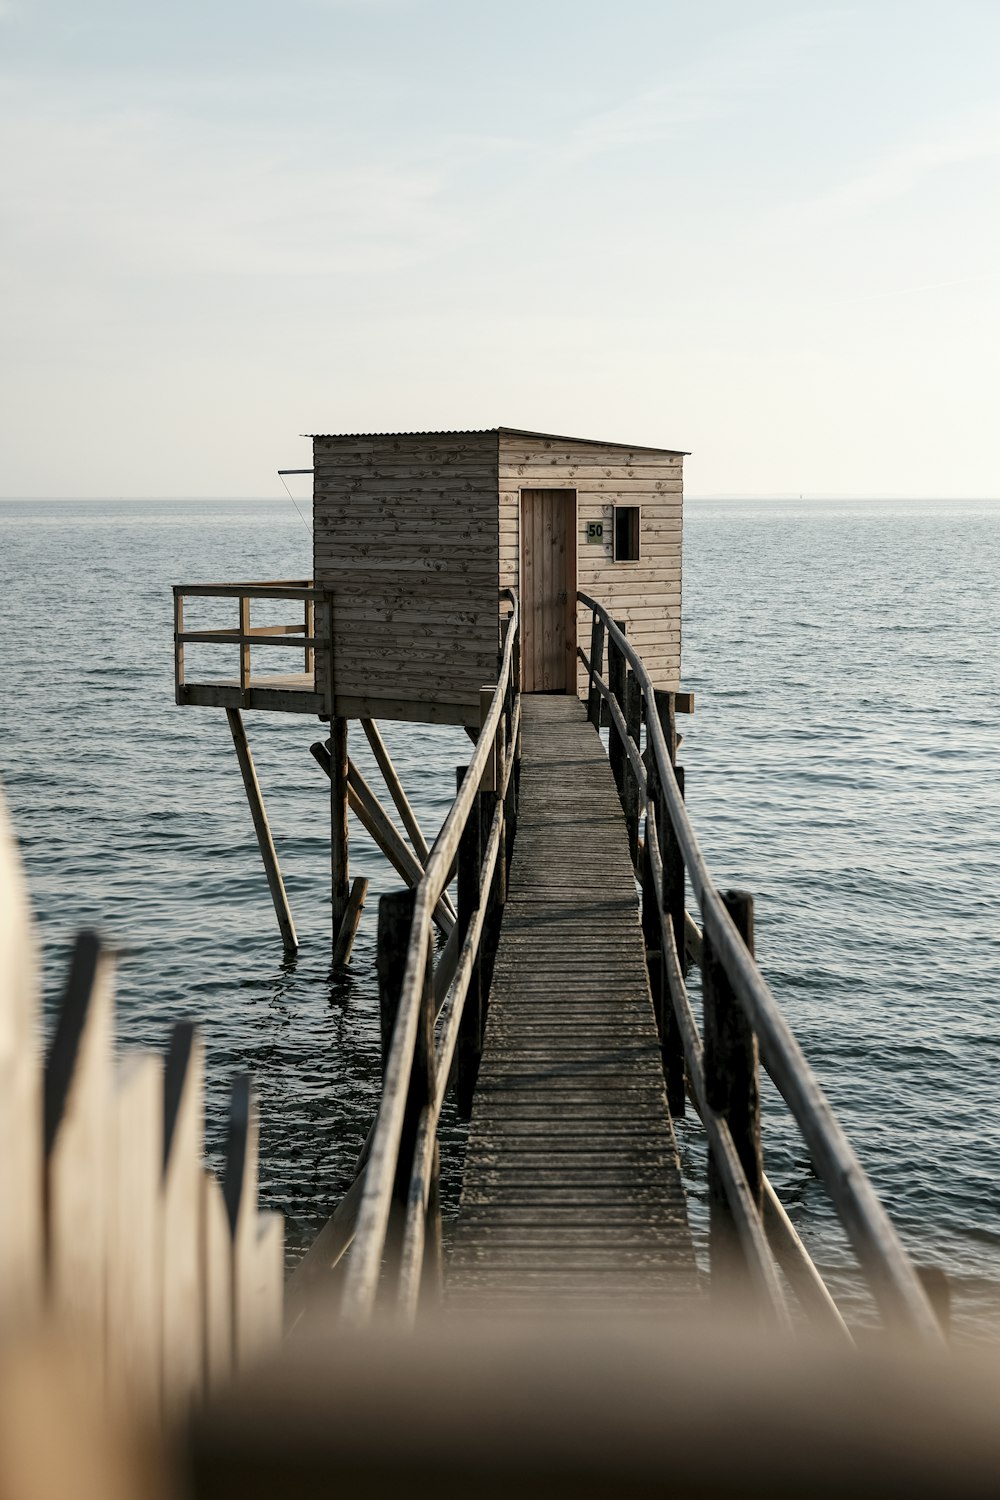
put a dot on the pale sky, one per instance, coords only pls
(767, 232)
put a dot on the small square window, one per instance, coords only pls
(626, 533)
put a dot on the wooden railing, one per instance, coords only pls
(111, 1226)
(433, 1012)
(749, 1228)
(299, 634)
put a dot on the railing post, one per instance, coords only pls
(671, 1043)
(423, 1087)
(500, 873)
(244, 650)
(470, 1028)
(732, 1085)
(395, 917)
(489, 780)
(652, 937)
(490, 897)
(309, 622)
(616, 682)
(596, 669)
(395, 926)
(178, 646)
(493, 898)
(510, 799)
(630, 797)
(516, 684)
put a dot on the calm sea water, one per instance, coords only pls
(842, 764)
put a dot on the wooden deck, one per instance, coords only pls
(572, 1192)
(287, 692)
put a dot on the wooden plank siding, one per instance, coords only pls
(645, 594)
(415, 533)
(406, 535)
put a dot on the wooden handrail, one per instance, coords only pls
(299, 635)
(264, 590)
(891, 1275)
(495, 743)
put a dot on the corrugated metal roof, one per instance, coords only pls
(550, 437)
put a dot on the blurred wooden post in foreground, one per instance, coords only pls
(110, 1225)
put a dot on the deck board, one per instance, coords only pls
(572, 1192)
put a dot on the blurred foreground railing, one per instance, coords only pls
(111, 1226)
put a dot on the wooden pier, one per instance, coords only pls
(535, 967)
(571, 1189)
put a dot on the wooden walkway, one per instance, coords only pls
(572, 1192)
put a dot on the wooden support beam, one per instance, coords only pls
(377, 821)
(349, 925)
(380, 827)
(339, 849)
(264, 840)
(395, 789)
(732, 1086)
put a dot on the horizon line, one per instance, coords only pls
(793, 495)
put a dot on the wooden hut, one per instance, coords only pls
(414, 533)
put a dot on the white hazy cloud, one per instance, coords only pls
(739, 67)
(151, 192)
(222, 226)
(969, 138)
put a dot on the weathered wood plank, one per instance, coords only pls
(569, 1122)
(183, 1195)
(134, 1314)
(78, 1142)
(20, 1094)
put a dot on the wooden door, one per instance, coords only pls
(548, 591)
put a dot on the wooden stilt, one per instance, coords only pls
(395, 789)
(380, 827)
(374, 816)
(263, 831)
(732, 1087)
(352, 917)
(339, 853)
